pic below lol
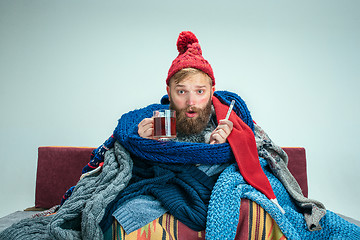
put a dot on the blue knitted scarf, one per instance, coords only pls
(170, 152)
(183, 190)
(224, 209)
(176, 152)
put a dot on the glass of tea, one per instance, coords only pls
(164, 124)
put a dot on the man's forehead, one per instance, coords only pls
(199, 80)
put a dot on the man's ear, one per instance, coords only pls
(212, 90)
(168, 91)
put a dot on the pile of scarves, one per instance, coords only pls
(97, 195)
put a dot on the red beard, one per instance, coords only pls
(188, 126)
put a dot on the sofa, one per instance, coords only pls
(59, 168)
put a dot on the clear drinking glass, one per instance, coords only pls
(164, 124)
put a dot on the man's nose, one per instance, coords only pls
(191, 100)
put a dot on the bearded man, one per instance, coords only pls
(190, 94)
(136, 187)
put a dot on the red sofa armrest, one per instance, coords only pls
(297, 166)
(59, 168)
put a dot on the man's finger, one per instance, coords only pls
(221, 133)
(146, 121)
(148, 132)
(146, 128)
(227, 123)
(215, 138)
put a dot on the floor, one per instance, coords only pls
(8, 220)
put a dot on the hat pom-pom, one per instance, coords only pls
(185, 38)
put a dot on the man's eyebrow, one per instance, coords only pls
(197, 86)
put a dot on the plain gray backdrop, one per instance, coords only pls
(70, 69)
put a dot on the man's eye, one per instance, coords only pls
(200, 91)
(181, 92)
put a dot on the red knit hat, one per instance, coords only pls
(190, 56)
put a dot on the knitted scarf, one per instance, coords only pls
(80, 215)
(94, 193)
(170, 151)
(224, 208)
(241, 142)
(183, 190)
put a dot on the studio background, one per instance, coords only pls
(70, 69)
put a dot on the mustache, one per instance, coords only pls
(186, 125)
(191, 109)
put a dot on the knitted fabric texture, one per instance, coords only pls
(278, 159)
(142, 210)
(176, 152)
(224, 207)
(97, 155)
(190, 56)
(241, 139)
(223, 212)
(79, 216)
(183, 190)
(137, 212)
(168, 152)
(243, 145)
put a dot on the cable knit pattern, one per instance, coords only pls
(183, 190)
(167, 152)
(79, 216)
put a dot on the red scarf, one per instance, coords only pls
(243, 145)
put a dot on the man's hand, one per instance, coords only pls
(146, 128)
(220, 134)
